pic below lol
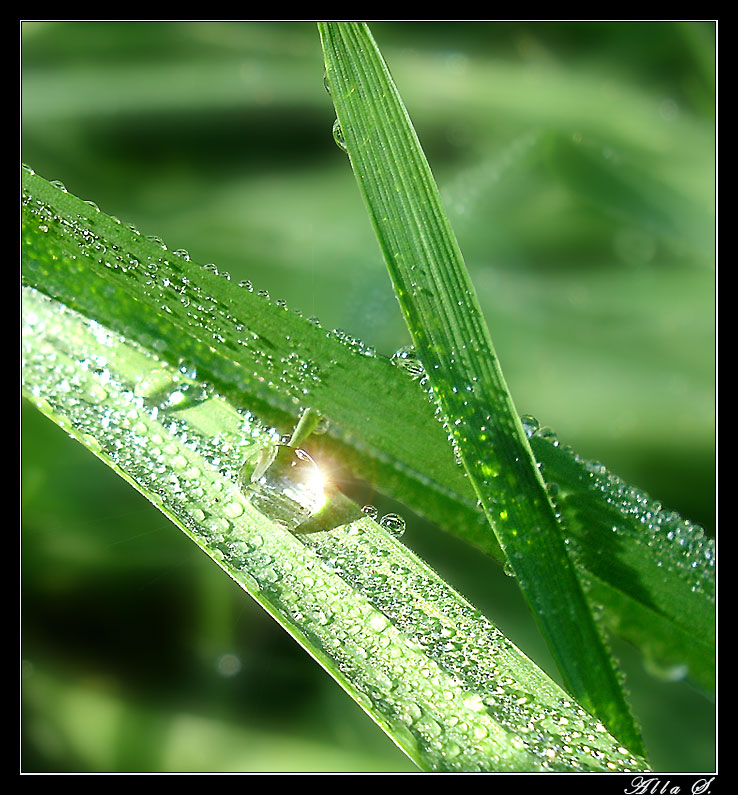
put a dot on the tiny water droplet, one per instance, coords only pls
(530, 424)
(178, 462)
(183, 396)
(157, 240)
(233, 509)
(338, 136)
(394, 524)
(95, 393)
(370, 511)
(322, 427)
(547, 433)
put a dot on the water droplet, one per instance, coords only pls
(665, 671)
(370, 511)
(322, 427)
(233, 509)
(407, 359)
(157, 240)
(284, 484)
(530, 424)
(338, 136)
(178, 462)
(95, 393)
(548, 434)
(184, 396)
(394, 524)
(378, 622)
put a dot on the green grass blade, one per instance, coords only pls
(440, 679)
(653, 570)
(453, 343)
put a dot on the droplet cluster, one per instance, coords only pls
(587, 489)
(172, 294)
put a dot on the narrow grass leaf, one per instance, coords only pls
(452, 341)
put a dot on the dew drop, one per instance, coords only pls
(408, 360)
(370, 511)
(233, 509)
(394, 524)
(338, 136)
(183, 396)
(548, 434)
(664, 671)
(284, 484)
(95, 393)
(178, 463)
(322, 427)
(530, 424)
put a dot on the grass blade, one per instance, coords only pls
(440, 679)
(453, 343)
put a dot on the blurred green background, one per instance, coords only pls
(577, 164)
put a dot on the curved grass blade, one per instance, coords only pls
(453, 343)
(439, 678)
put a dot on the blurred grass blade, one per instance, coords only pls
(439, 678)
(453, 343)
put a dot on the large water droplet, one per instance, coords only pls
(284, 484)
(408, 360)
